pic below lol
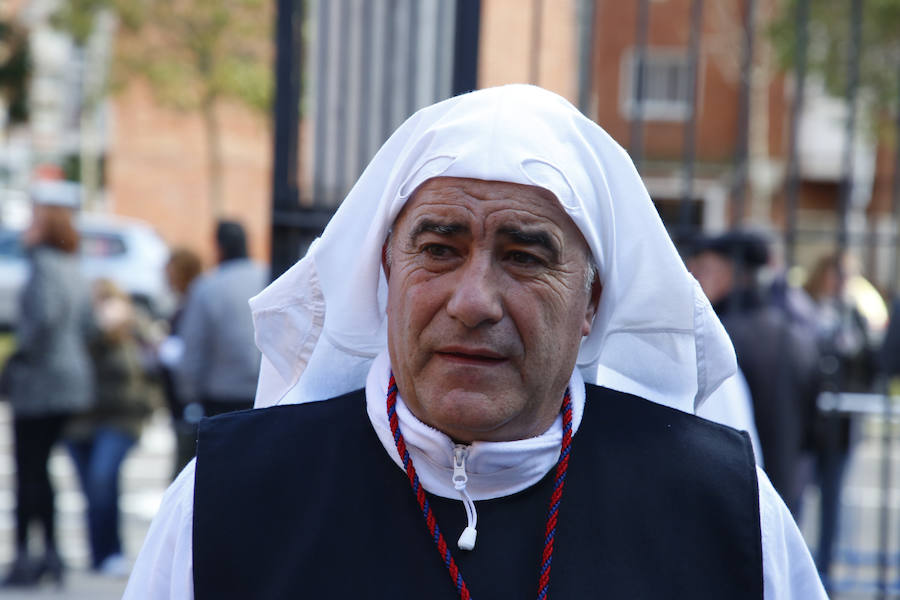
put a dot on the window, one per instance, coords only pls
(97, 245)
(666, 85)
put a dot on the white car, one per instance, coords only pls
(127, 251)
(13, 273)
(130, 253)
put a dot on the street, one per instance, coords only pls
(857, 554)
(145, 475)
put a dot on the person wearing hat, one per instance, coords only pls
(479, 383)
(50, 376)
(778, 356)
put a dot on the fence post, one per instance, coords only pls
(636, 136)
(586, 14)
(465, 46)
(886, 437)
(793, 166)
(690, 127)
(742, 150)
(285, 193)
(850, 126)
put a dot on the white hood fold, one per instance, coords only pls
(655, 335)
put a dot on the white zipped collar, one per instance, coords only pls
(477, 471)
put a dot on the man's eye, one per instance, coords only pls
(437, 250)
(524, 258)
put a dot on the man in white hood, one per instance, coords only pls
(494, 339)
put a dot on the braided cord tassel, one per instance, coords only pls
(553, 512)
(419, 492)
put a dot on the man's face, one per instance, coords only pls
(714, 273)
(488, 299)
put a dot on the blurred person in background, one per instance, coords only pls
(778, 357)
(99, 440)
(220, 363)
(183, 268)
(889, 353)
(847, 364)
(50, 377)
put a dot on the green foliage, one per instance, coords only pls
(192, 52)
(71, 166)
(77, 17)
(15, 68)
(830, 39)
(7, 346)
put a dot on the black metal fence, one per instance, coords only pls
(371, 64)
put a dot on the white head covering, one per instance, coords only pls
(655, 335)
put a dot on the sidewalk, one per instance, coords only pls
(78, 585)
(145, 476)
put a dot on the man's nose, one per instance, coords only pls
(476, 298)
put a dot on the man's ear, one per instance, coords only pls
(385, 262)
(593, 303)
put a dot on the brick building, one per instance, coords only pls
(156, 158)
(157, 171)
(660, 139)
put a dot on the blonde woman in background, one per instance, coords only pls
(847, 364)
(100, 439)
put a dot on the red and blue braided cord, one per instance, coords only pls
(553, 513)
(419, 492)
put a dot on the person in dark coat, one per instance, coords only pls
(51, 377)
(220, 363)
(779, 357)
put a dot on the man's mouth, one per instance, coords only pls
(471, 356)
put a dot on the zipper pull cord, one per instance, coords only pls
(460, 478)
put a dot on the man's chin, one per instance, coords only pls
(467, 415)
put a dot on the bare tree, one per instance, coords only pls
(193, 53)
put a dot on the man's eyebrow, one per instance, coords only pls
(537, 237)
(429, 226)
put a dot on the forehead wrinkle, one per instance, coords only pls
(430, 225)
(529, 221)
(474, 203)
(424, 208)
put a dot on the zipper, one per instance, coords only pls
(460, 479)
